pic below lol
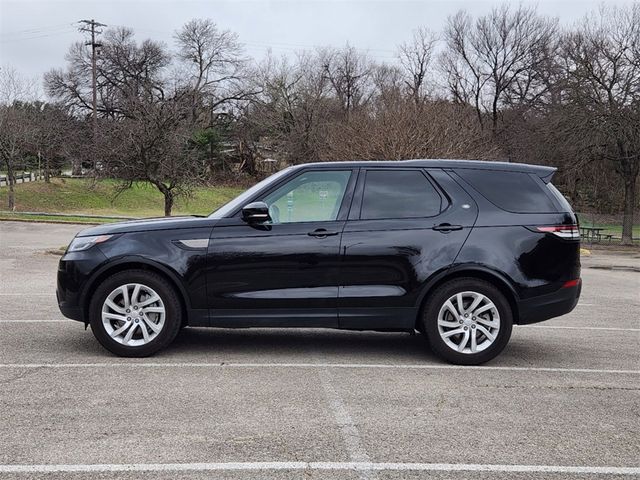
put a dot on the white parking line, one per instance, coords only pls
(563, 327)
(352, 466)
(34, 321)
(28, 294)
(313, 365)
(348, 429)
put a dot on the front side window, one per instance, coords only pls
(399, 194)
(309, 197)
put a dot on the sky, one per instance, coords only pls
(36, 34)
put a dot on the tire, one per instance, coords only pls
(471, 335)
(109, 316)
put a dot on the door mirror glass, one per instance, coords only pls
(256, 212)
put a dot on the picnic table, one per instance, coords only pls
(593, 233)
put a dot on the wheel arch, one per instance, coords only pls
(470, 271)
(134, 263)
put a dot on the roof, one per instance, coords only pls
(540, 170)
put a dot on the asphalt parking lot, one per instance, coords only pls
(562, 401)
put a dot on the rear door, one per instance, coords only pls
(405, 225)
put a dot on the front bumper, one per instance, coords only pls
(544, 307)
(74, 271)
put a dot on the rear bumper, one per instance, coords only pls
(544, 307)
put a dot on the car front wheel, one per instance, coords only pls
(467, 321)
(135, 313)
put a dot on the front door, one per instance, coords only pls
(283, 272)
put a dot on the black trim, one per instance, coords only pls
(544, 307)
(274, 317)
(134, 259)
(72, 313)
(459, 270)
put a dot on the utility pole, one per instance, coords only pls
(92, 26)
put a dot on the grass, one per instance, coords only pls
(83, 196)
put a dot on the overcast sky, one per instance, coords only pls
(35, 34)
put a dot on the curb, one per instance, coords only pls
(25, 220)
(73, 215)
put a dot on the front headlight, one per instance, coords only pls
(83, 243)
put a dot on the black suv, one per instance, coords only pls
(459, 250)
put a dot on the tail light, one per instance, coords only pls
(569, 232)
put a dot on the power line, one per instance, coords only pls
(311, 46)
(281, 49)
(34, 30)
(33, 37)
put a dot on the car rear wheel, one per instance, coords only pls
(135, 313)
(467, 321)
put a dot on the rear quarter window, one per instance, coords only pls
(562, 201)
(515, 192)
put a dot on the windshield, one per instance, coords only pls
(244, 197)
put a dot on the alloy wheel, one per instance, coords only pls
(468, 322)
(133, 314)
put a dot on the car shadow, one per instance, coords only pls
(297, 345)
(301, 345)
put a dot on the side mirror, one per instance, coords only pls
(256, 212)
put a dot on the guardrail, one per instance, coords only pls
(21, 178)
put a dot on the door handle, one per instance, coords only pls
(447, 227)
(322, 233)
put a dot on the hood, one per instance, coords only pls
(148, 224)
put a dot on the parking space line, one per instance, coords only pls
(563, 327)
(348, 429)
(348, 466)
(315, 365)
(34, 321)
(29, 294)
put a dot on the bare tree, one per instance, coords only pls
(212, 62)
(603, 94)
(485, 59)
(149, 109)
(152, 144)
(289, 114)
(15, 130)
(52, 136)
(404, 130)
(349, 73)
(415, 58)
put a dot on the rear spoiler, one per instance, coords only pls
(546, 173)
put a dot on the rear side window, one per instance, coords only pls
(399, 194)
(511, 191)
(564, 204)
